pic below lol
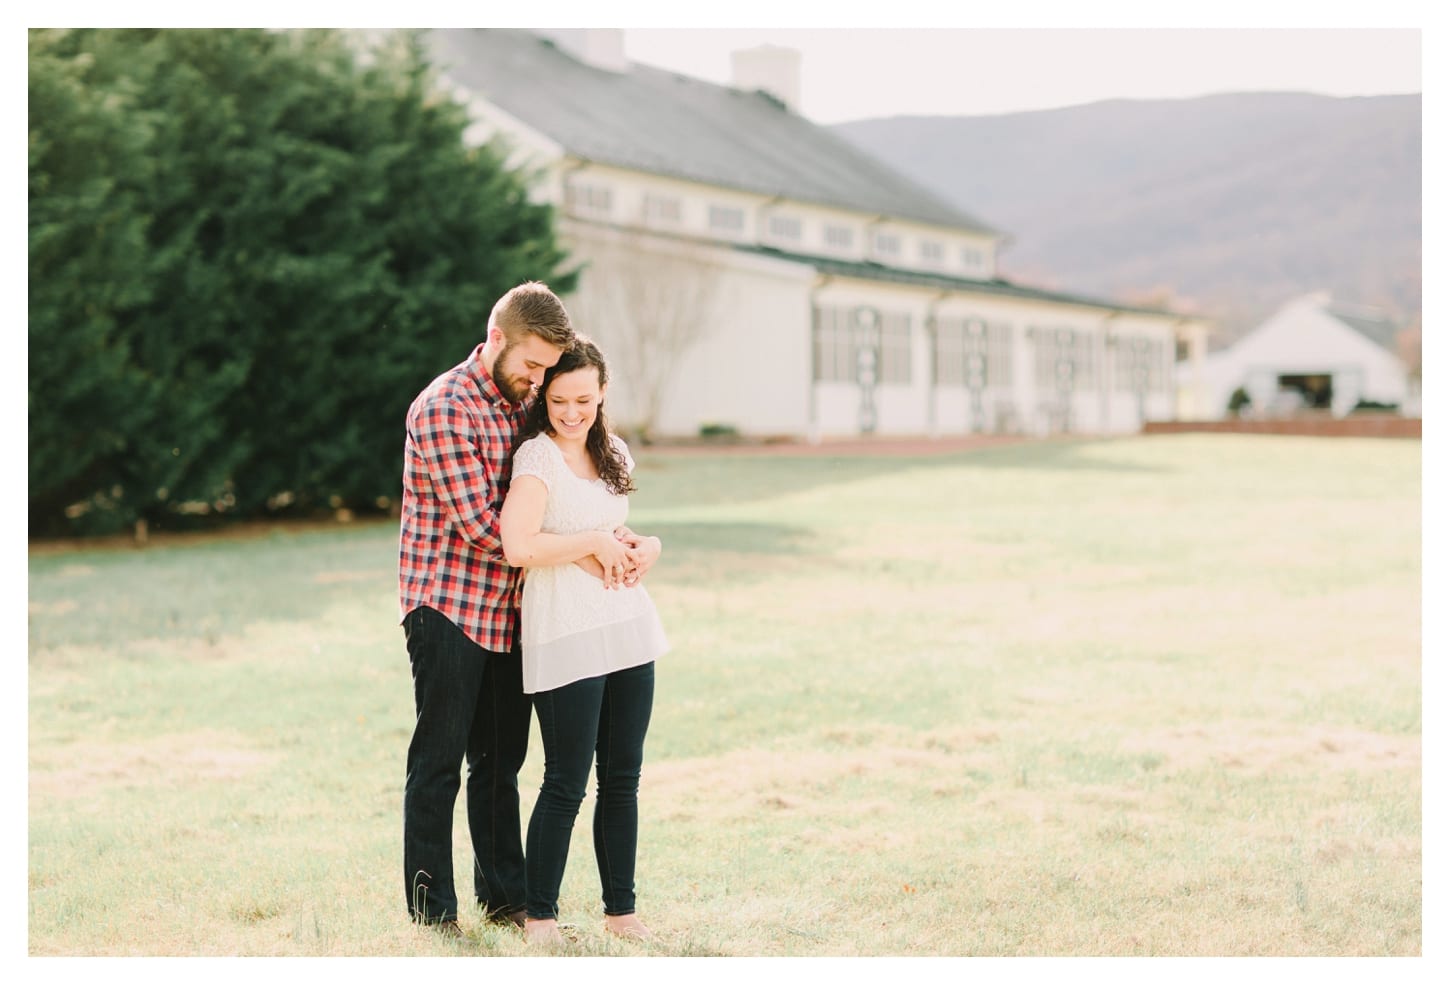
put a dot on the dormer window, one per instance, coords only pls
(784, 227)
(840, 237)
(886, 244)
(932, 252)
(727, 219)
(662, 209)
(584, 199)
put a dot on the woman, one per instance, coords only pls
(588, 648)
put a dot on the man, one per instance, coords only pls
(459, 610)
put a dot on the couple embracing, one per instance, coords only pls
(520, 589)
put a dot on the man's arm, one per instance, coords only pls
(590, 566)
(525, 545)
(444, 437)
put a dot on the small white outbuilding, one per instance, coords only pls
(1311, 354)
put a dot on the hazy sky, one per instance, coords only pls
(934, 57)
(857, 73)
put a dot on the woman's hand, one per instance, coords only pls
(616, 557)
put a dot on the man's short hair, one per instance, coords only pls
(533, 309)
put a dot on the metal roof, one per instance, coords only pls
(676, 126)
(1371, 324)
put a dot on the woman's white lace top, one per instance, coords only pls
(573, 627)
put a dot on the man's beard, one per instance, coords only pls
(509, 388)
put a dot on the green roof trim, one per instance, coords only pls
(867, 270)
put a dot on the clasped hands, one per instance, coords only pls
(623, 557)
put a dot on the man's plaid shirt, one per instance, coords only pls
(456, 465)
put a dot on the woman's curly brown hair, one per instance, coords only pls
(607, 459)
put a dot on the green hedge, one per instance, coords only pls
(249, 249)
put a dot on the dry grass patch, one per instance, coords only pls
(741, 781)
(344, 577)
(1261, 748)
(86, 769)
(59, 607)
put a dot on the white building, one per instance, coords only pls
(747, 269)
(1310, 354)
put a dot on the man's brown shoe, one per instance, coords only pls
(501, 919)
(448, 928)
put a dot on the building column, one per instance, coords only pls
(1107, 347)
(1192, 399)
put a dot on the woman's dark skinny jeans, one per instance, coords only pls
(601, 719)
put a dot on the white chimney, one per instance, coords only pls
(776, 70)
(602, 47)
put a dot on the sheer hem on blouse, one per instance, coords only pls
(593, 652)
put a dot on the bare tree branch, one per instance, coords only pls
(651, 301)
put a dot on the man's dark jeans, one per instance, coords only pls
(470, 703)
(603, 719)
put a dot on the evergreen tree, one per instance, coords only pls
(248, 250)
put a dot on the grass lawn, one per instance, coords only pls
(1146, 696)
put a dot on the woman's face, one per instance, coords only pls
(573, 400)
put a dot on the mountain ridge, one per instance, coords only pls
(1228, 204)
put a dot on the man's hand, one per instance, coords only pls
(646, 551)
(617, 557)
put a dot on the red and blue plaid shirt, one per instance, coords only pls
(456, 464)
